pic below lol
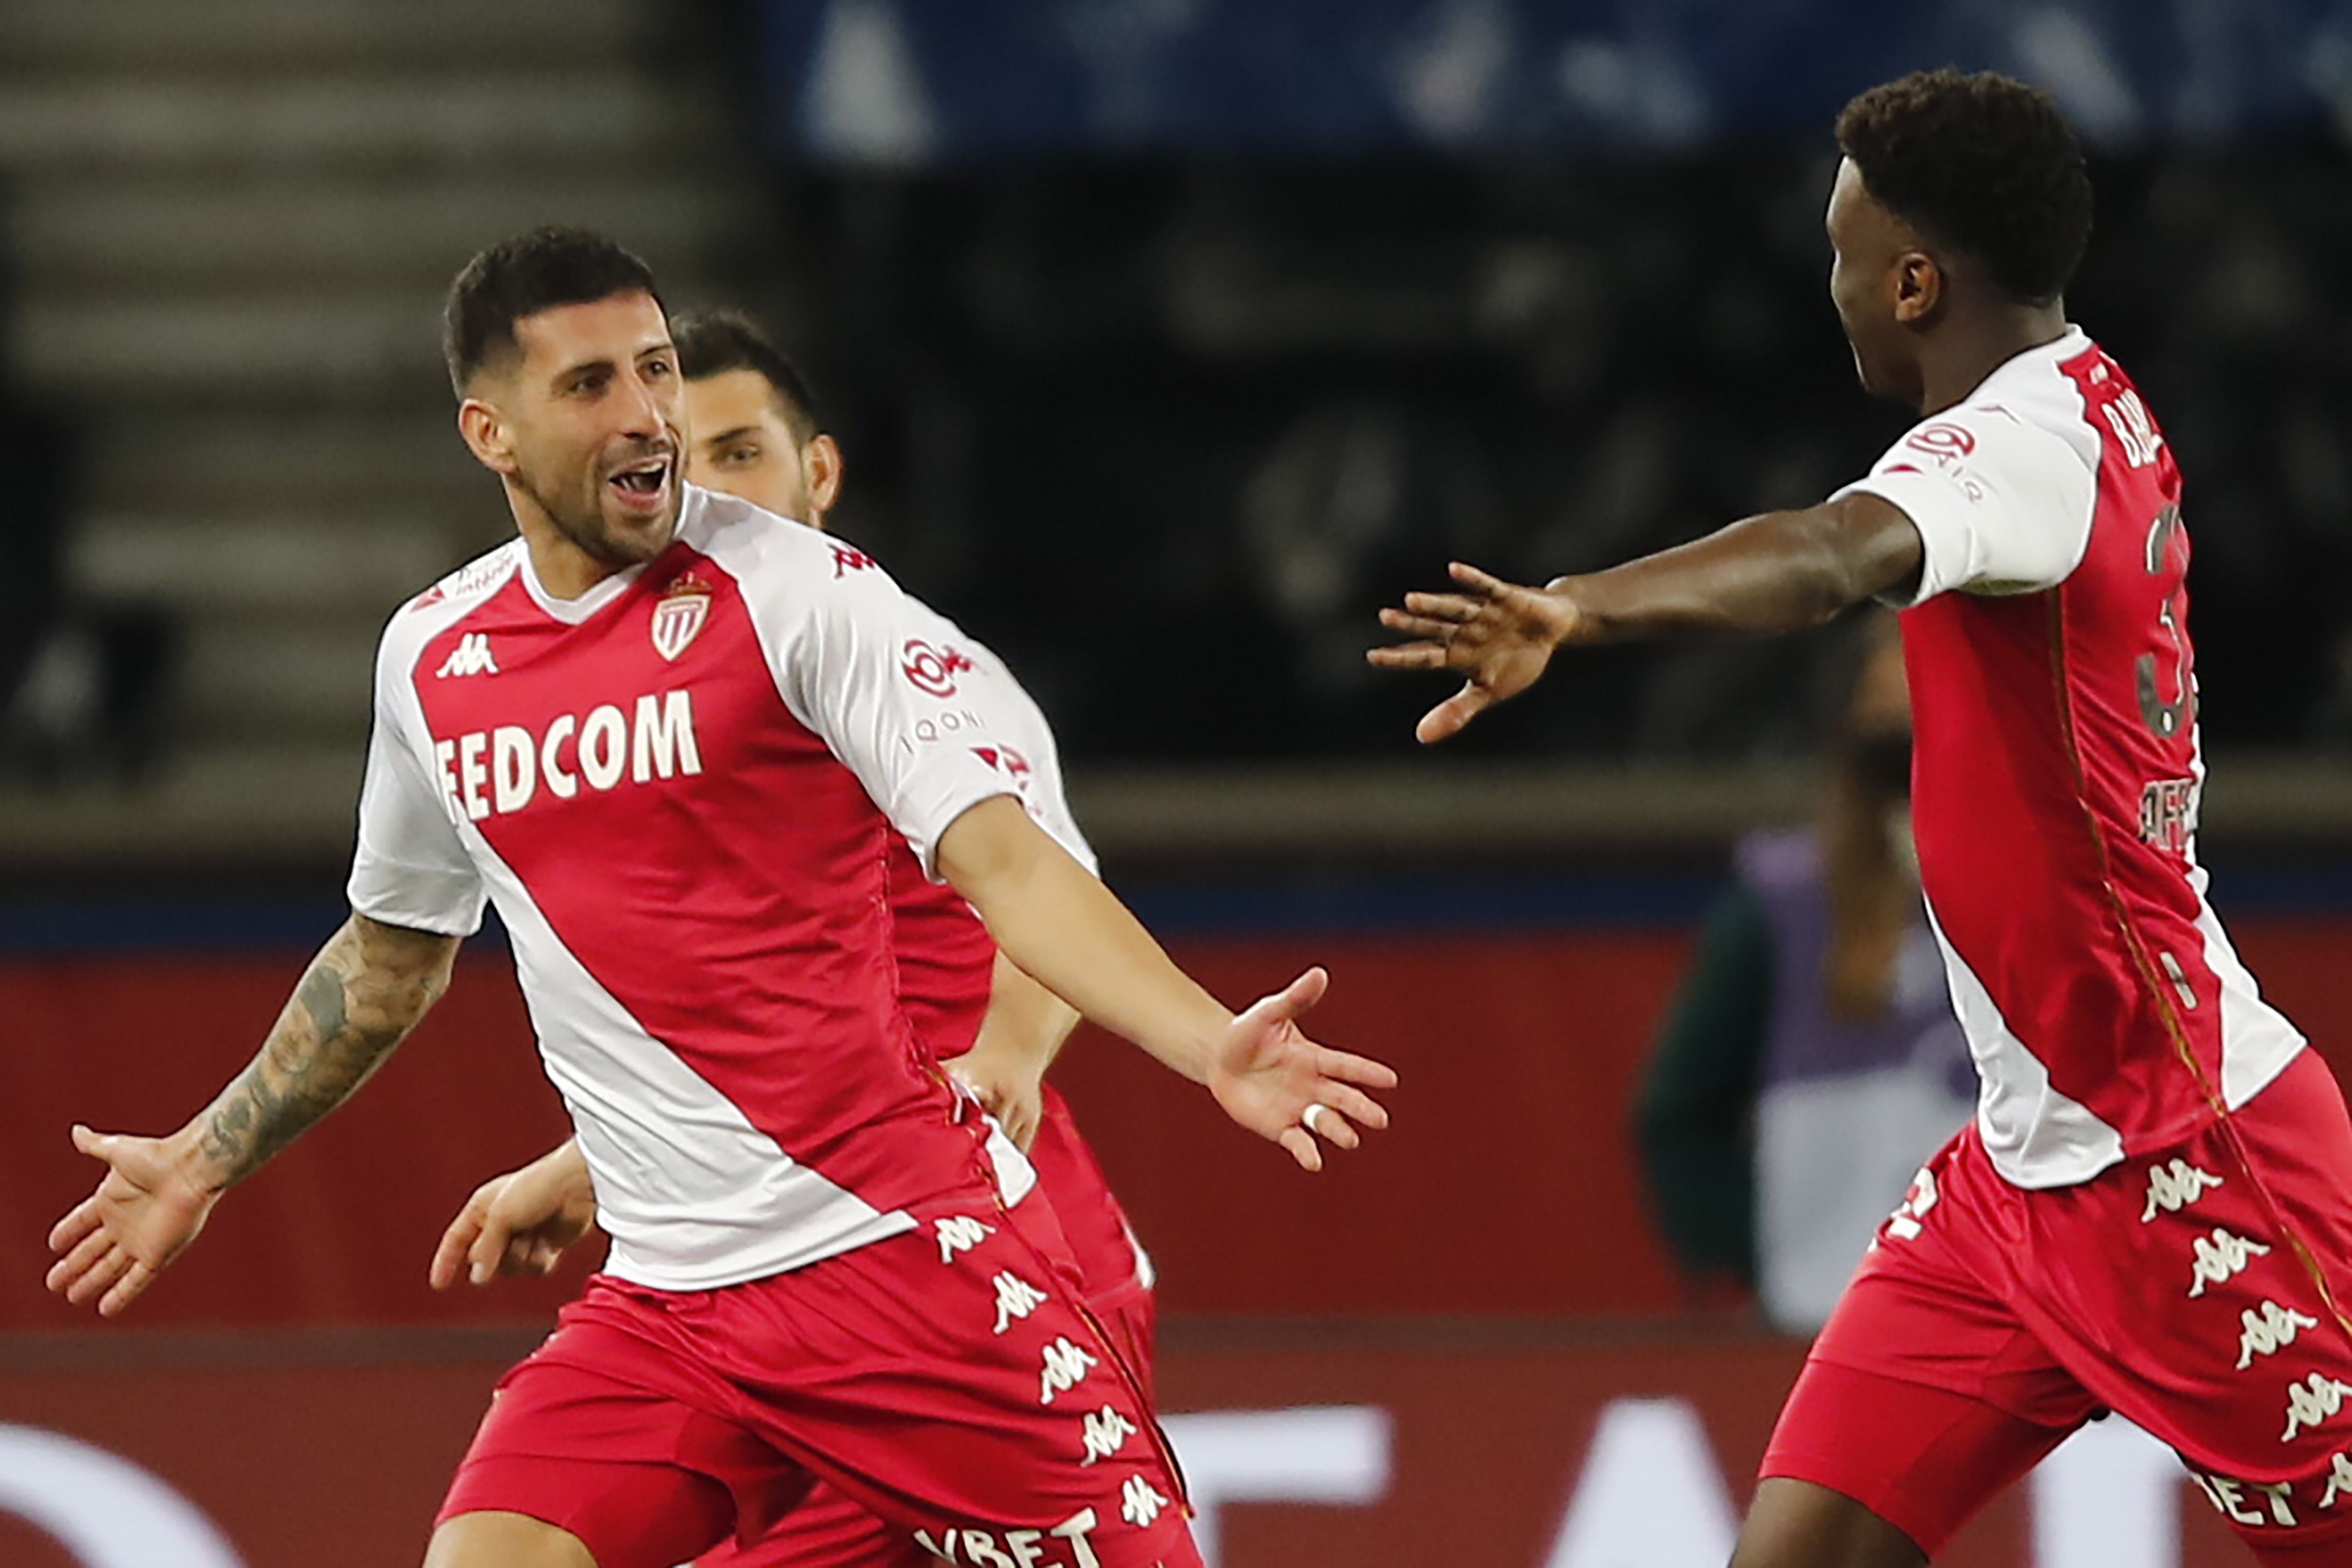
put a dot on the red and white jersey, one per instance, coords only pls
(2057, 774)
(947, 969)
(681, 790)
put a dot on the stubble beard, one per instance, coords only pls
(583, 526)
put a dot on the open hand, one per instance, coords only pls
(1282, 1086)
(1500, 635)
(146, 1210)
(520, 1223)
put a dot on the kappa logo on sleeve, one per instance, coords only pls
(847, 559)
(1005, 761)
(932, 670)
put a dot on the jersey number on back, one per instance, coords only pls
(2166, 719)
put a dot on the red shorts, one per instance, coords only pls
(829, 1530)
(2195, 1291)
(947, 1381)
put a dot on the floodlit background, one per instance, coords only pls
(1167, 340)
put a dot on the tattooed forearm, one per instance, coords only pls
(362, 993)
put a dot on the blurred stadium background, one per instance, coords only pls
(1168, 339)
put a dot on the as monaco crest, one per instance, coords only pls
(684, 605)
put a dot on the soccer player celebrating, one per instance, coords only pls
(669, 735)
(752, 432)
(2152, 1212)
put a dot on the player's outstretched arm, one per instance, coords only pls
(361, 994)
(1058, 921)
(1023, 1030)
(1762, 576)
(520, 1222)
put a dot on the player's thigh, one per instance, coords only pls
(1868, 1469)
(827, 1530)
(587, 1440)
(557, 1513)
(1926, 1395)
(1796, 1524)
(505, 1541)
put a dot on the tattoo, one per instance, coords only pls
(362, 993)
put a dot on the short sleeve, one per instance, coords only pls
(1042, 790)
(410, 869)
(921, 715)
(2002, 506)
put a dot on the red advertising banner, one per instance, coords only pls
(1307, 1447)
(1508, 1185)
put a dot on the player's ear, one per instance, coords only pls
(1918, 287)
(485, 432)
(820, 461)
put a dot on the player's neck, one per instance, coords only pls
(1955, 361)
(563, 570)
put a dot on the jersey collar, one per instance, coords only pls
(572, 611)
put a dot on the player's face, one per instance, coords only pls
(593, 419)
(1869, 247)
(743, 445)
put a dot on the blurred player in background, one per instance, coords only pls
(670, 735)
(2152, 1210)
(1811, 1059)
(752, 432)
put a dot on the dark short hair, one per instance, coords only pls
(713, 343)
(1981, 163)
(523, 275)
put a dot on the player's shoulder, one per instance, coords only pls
(421, 618)
(2032, 410)
(779, 562)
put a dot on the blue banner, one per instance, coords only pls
(921, 81)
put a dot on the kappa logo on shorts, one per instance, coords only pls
(2269, 1330)
(1018, 1548)
(2315, 1399)
(1015, 1298)
(2339, 1479)
(2175, 1186)
(960, 1233)
(1139, 1502)
(1064, 1367)
(1106, 1432)
(1903, 1224)
(2221, 1257)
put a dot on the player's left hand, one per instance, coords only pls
(1010, 1087)
(520, 1223)
(1500, 635)
(1282, 1086)
(145, 1212)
